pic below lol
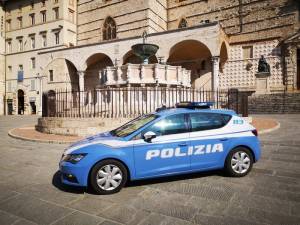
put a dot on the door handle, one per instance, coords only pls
(182, 144)
(223, 139)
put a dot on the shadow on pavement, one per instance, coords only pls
(173, 178)
(56, 182)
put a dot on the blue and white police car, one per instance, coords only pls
(188, 138)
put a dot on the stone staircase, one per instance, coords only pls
(274, 103)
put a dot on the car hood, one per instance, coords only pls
(103, 138)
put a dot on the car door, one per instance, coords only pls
(167, 153)
(208, 140)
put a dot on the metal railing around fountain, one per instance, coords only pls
(128, 102)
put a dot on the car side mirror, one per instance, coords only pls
(148, 136)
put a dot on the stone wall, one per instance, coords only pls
(131, 19)
(239, 71)
(242, 20)
(77, 126)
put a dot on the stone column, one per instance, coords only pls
(215, 72)
(81, 86)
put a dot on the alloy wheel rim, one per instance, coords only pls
(240, 162)
(109, 177)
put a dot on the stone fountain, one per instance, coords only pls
(145, 74)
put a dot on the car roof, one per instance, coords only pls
(173, 111)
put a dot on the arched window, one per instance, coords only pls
(183, 23)
(109, 29)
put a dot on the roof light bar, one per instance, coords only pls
(195, 105)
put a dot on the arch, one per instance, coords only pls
(109, 30)
(192, 55)
(94, 65)
(223, 56)
(130, 57)
(183, 23)
(21, 102)
(64, 74)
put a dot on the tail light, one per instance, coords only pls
(255, 132)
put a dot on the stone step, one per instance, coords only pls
(275, 103)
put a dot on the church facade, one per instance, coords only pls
(218, 42)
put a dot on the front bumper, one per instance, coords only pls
(73, 174)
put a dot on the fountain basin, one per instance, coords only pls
(144, 51)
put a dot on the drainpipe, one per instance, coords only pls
(4, 100)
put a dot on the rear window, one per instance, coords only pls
(208, 121)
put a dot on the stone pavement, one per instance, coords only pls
(30, 191)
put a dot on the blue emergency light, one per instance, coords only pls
(195, 105)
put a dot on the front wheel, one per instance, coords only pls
(239, 162)
(108, 176)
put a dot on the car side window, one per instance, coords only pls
(207, 121)
(174, 124)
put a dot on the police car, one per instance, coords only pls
(188, 138)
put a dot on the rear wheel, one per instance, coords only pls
(239, 162)
(108, 176)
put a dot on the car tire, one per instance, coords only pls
(239, 162)
(108, 177)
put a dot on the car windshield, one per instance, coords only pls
(133, 125)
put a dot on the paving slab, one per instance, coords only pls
(79, 218)
(33, 209)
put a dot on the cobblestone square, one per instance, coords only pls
(30, 191)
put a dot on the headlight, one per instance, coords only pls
(73, 158)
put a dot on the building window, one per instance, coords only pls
(8, 25)
(20, 8)
(51, 75)
(32, 4)
(109, 29)
(44, 40)
(247, 52)
(20, 41)
(183, 23)
(32, 19)
(9, 68)
(71, 15)
(33, 63)
(56, 13)
(9, 47)
(32, 85)
(56, 38)
(43, 2)
(32, 39)
(43, 16)
(55, 1)
(20, 22)
(20, 73)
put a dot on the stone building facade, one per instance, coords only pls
(31, 27)
(2, 59)
(219, 41)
